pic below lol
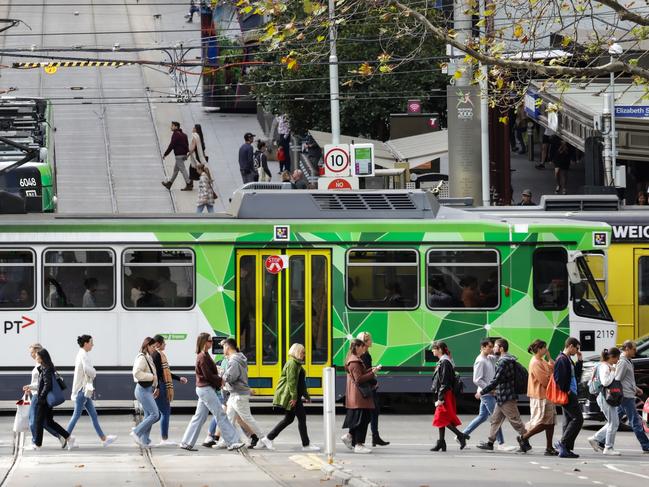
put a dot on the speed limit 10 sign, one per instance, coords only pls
(336, 160)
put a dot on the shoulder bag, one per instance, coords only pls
(613, 393)
(55, 396)
(554, 394)
(147, 383)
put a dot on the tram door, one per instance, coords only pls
(276, 310)
(642, 292)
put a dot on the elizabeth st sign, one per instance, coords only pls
(632, 111)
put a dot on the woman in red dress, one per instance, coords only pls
(445, 408)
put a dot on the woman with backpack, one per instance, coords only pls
(359, 397)
(603, 376)
(443, 388)
(543, 413)
(83, 389)
(146, 392)
(261, 162)
(45, 410)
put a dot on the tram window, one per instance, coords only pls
(158, 278)
(382, 279)
(247, 302)
(78, 279)
(597, 264)
(550, 279)
(17, 279)
(319, 309)
(643, 281)
(467, 279)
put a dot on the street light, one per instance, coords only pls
(614, 50)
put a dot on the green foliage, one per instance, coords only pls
(372, 87)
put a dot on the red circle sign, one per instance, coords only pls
(336, 160)
(274, 264)
(339, 183)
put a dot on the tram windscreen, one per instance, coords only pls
(586, 295)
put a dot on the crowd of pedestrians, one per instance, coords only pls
(224, 392)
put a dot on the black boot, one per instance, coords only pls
(461, 439)
(440, 446)
(378, 441)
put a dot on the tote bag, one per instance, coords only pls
(55, 396)
(21, 421)
(554, 394)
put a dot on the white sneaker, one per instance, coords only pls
(505, 447)
(267, 443)
(362, 449)
(594, 444)
(167, 443)
(347, 440)
(220, 445)
(109, 440)
(72, 443)
(611, 451)
(136, 439)
(311, 448)
(236, 446)
(32, 447)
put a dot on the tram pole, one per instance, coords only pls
(334, 95)
(329, 411)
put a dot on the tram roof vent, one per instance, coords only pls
(305, 204)
(585, 202)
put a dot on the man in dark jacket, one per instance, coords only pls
(566, 375)
(504, 383)
(180, 146)
(247, 159)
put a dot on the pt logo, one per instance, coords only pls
(17, 325)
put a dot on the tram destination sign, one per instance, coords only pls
(632, 111)
(630, 233)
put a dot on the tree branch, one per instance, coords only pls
(541, 69)
(624, 13)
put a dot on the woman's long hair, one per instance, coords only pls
(199, 131)
(201, 340)
(46, 360)
(440, 345)
(145, 345)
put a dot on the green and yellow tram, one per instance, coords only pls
(296, 266)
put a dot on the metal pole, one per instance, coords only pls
(613, 134)
(484, 118)
(606, 112)
(333, 76)
(329, 411)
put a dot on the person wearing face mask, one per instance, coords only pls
(83, 390)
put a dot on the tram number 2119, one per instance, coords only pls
(27, 182)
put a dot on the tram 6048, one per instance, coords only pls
(297, 266)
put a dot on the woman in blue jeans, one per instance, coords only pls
(207, 383)
(83, 389)
(32, 389)
(146, 392)
(165, 387)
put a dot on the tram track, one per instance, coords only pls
(146, 452)
(17, 453)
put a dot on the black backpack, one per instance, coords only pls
(520, 378)
(613, 393)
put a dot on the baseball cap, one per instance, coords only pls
(248, 135)
(527, 192)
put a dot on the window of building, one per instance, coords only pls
(550, 279)
(382, 279)
(161, 278)
(17, 270)
(78, 279)
(467, 279)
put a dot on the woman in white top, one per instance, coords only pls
(32, 389)
(197, 147)
(146, 391)
(83, 389)
(604, 439)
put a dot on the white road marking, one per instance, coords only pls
(582, 477)
(616, 469)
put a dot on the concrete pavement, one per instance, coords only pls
(406, 462)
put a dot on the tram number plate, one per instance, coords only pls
(27, 182)
(604, 334)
